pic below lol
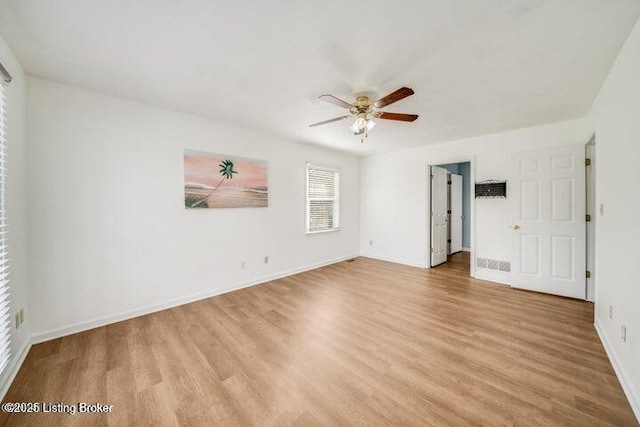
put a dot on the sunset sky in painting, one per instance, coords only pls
(202, 167)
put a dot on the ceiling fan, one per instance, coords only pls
(364, 110)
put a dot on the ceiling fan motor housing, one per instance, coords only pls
(362, 107)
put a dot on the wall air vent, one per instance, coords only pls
(505, 266)
(491, 189)
(493, 264)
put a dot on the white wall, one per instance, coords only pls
(616, 118)
(109, 231)
(394, 193)
(16, 200)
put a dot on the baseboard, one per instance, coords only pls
(14, 367)
(466, 249)
(106, 320)
(629, 390)
(393, 260)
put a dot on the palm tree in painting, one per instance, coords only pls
(227, 171)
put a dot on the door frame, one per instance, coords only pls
(437, 161)
(590, 187)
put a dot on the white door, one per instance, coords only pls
(456, 213)
(548, 201)
(439, 214)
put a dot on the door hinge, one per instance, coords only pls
(448, 240)
(449, 211)
(587, 162)
(449, 182)
(588, 274)
(432, 177)
(431, 250)
(588, 218)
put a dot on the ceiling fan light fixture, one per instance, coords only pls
(361, 125)
(370, 124)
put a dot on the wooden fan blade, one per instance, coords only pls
(336, 101)
(396, 96)
(397, 116)
(329, 121)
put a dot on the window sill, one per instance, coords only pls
(323, 231)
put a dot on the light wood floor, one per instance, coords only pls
(356, 343)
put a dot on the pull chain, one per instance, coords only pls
(366, 134)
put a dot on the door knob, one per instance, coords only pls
(515, 227)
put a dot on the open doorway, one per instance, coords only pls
(451, 214)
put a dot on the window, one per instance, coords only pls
(322, 199)
(5, 309)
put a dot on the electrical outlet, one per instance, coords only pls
(17, 320)
(370, 242)
(21, 316)
(266, 259)
(623, 333)
(243, 265)
(610, 312)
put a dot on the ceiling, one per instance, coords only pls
(477, 67)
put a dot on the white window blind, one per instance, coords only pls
(5, 309)
(323, 189)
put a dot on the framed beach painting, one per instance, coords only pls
(220, 181)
